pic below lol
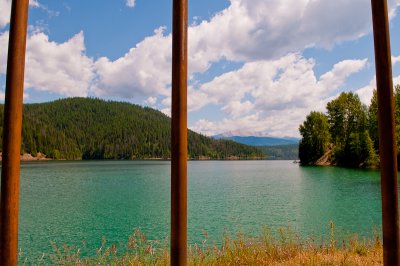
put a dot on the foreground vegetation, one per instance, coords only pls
(347, 134)
(283, 248)
(84, 128)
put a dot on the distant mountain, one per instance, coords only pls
(85, 128)
(242, 132)
(259, 141)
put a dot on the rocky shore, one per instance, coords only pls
(29, 157)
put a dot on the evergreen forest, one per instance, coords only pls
(347, 134)
(87, 128)
(281, 152)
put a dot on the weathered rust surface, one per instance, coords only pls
(387, 133)
(179, 134)
(12, 133)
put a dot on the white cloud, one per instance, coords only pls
(34, 3)
(59, 68)
(196, 99)
(151, 101)
(273, 96)
(5, 12)
(365, 93)
(144, 71)
(212, 128)
(4, 52)
(242, 32)
(340, 72)
(396, 80)
(289, 80)
(395, 60)
(130, 3)
(238, 108)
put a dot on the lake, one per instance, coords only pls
(84, 201)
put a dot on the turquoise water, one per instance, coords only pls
(72, 202)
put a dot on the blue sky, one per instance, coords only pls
(256, 67)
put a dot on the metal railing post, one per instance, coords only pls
(387, 133)
(12, 133)
(179, 134)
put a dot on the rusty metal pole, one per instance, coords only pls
(387, 134)
(12, 133)
(179, 134)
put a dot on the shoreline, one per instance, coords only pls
(26, 157)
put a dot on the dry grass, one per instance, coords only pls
(283, 248)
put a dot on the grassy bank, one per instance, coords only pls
(269, 248)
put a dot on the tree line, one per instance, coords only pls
(281, 152)
(87, 128)
(347, 134)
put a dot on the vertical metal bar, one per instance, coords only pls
(179, 134)
(12, 133)
(387, 133)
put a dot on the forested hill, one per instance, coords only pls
(85, 128)
(347, 135)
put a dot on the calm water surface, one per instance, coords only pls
(71, 202)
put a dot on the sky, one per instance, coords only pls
(256, 67)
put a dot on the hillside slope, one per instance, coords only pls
(85, 128)
(281, 152)
(259, 141)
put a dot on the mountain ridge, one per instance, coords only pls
(259, 140)
(89, 128)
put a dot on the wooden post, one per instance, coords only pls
(12, 134)
(179, 134)
(387, 133)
